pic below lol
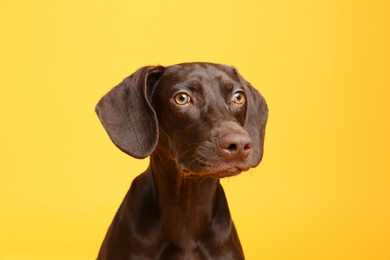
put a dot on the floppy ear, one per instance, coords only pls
(255, 118)
(127, 115)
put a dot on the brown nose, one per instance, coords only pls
(235, 146)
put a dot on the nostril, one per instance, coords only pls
(232, 147)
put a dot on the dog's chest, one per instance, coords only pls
(197, 253)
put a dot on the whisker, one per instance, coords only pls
(191, 149)
(193, 144)
(197, 158)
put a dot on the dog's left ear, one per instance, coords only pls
(255, 118)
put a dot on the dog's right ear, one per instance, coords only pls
(127, 115)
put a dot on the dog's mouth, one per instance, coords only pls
(216, 173)
(215, 166)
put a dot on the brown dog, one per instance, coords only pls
(199, 122)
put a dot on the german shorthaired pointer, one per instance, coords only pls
(198, 122)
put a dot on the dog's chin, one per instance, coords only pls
(217, 173)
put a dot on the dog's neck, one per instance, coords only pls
(187, 205)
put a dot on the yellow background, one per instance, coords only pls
(323, 188)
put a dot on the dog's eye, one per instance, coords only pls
(182, 99)
(238, 98)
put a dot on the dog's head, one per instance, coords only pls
(206, 117)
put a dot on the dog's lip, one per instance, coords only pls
(185, 171)
(217, 173)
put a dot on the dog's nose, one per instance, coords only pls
(235, 146)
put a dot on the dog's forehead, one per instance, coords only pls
(200, 72)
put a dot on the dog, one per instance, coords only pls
(198, 122)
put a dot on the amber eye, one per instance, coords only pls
(182, 99)
(238, 98)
